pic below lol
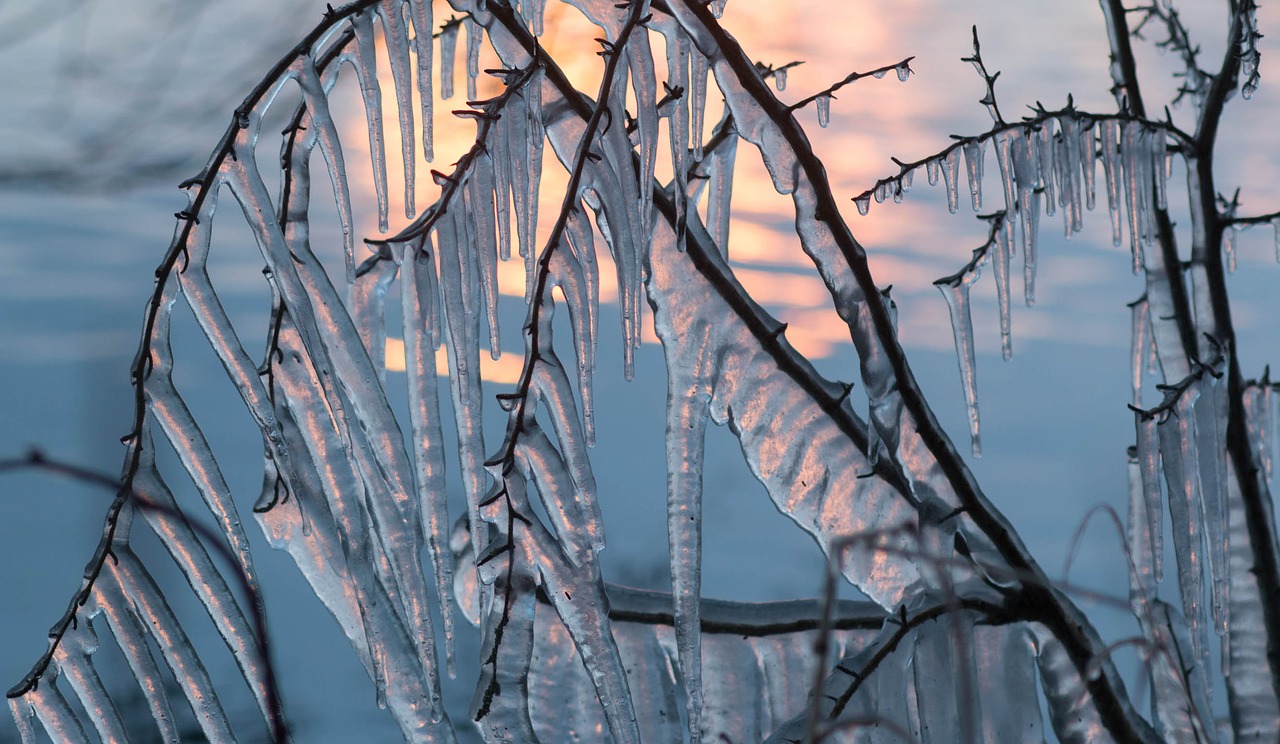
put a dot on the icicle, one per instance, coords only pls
(208, 584)
(1028, 212)
(423, 28)
(480, 190)
(1136, 183)
(568, 274)
(1229, 246)
(1140, 341)
(903, 72)
(951, 176)
(1275, 227)
(956, 292)
(823, 102)
(1139, 541)
(690, 379)
(1178, 451)
(1111, 169)
(1148, 453)
(396, 36)
(697, 99)
(419, 308)
(718, 201)
(1003, 255)
(448, 55)
(55, 713)
(1047, 163)
(1088, 162)
(369, 307)
(503, 185)
(1211, 432)
(863, 203)
(578, 230)
(581, 602)
(326, 134)
(717, 8)
(475, 37)
(366, 65)
(1258, 420)
(645, 85)
(780, 78)
(534, 142)
(974, 151)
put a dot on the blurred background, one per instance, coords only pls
(108, 104)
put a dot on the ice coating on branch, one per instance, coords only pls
(188, 441)
(396, 34)
(721, 191)
(326, 135)
(1071, 710)
(1178, 451)
(420, 14)
(580, 600)
(197, 567)
(1255, 709)
(823, 102)
(1148, 454)
(448, 55)
(956, 291)
(419, 307)
(154, 614)
(1259, 415)
(55, 714)
(974, 154)
(567, 273)
(554, 390)
(1140, 344)
(366, 66)
(74, 660)
(131, 638)
(1179, 691)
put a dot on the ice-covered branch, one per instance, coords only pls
(822, 99)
